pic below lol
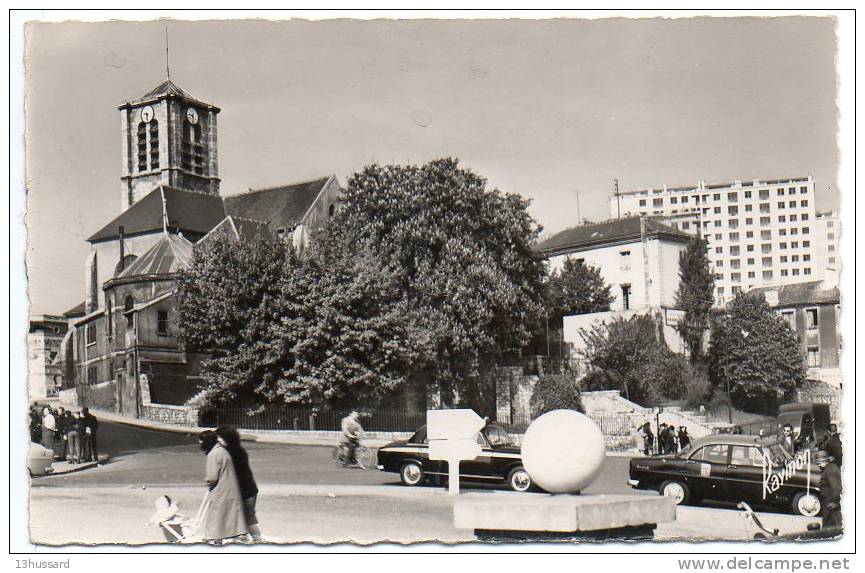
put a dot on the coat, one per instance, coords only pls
(224, 516)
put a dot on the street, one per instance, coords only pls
(303, 497)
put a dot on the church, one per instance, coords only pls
(122, 351)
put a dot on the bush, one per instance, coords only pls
(698, 387)
(555, 392)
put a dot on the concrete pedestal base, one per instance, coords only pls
(537, 517)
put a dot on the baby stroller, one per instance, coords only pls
(177, 528)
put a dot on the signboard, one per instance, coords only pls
(452, 436)
(673, 316)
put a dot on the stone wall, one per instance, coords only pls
(167, 414)
(102, 396)
(68, 397)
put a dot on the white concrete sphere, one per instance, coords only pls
(563, 451)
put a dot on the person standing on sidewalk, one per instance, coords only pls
(224, 517)
(73, 435)
(230, 438)
(830, 490)
(88, 435)
(49, 426)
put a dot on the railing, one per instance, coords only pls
(309, 418)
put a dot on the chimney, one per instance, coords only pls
(122, 253)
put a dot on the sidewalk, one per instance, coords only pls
(64, 467)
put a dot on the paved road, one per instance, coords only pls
(149, 458)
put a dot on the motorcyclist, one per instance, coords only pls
(352, 432)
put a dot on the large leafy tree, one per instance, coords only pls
(228, 300)
(554, 392)
(577, 289)
(460, 256)
(695, 295)
(631, 355)
(756, 352)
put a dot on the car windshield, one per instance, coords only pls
(497, 436)
(776, 453)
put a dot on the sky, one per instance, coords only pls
(553, 110)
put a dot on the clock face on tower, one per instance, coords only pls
(191, 116)
(146, 114)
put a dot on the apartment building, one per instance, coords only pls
(827, 234)
(759, 232)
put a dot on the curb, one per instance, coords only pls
(70, 469)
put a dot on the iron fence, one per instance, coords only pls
(309, 418)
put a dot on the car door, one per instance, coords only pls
(481, 466)
(745, 474)
(706, 471)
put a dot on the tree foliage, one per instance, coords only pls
(757, 353)
(578, 289)
(695, 295)
(554, 392)
(423, 275)
(631, 355)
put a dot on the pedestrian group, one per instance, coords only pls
(71, 435)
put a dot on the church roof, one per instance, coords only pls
(189, 212)
(170, 254)
(280, 207)
(164, 90)
(804, 293)
(606, 232)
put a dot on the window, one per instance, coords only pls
(784, 272)
(794, 231)
(795, 258)
(782, 218)
(766, 248)
(789, 317)
(807, 270)
(751, 274)
(737, 290)
(719, 264)
(794, 245)
(783, 258)
(91, 334)
(806, 244)
(734, 263)
(733, 223)
(642, 202)
(720, 291)
(795, 272)
(733, 237)
(806, 257)
(717, 210)
(626, 297)
(764, 207)
(91, 375)
(767, 275)
(780, 204)
(830, 224)
(142, 146)
(673, 200)
(767, 261)
(804, 216)
(331, 210)
(625, 260)
(813, 357)
(766, 235)
(792, 190)
(780, 192)
(732, 210)
(747, 194)
(128, 303)
(718, 236)
(716, 197)
(832, 260)
(717, 224)
(734, 250)
(162, 322)
(831, 248)
(750, 248)
(803, 203)
(749, 221)
(719, 276)
(749, 234)
(684, 199)
(764, 221)
(745, 456)
(792, 204)
(793, 218)
(658, 202)
(782, 232)
(803, 190)
(154, 144)
(732, 196)
(719, 250)
(685, 225)
(736, 277)
(750, 260)
(749, 208)
(806, 230)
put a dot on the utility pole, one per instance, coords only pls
(579, 219)
(618, 201)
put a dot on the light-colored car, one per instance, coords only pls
(39, 459)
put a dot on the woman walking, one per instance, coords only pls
(48, 427)
(230, 438)
(224, 516)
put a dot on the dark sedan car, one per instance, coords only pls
(733, 468)
(499, 460)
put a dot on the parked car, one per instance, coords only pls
(499, 461)
(733, 468)
(39, 459)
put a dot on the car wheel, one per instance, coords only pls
(519, 480)
(411, 474)
(675, 489)
(806, 504)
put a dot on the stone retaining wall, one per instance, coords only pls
(167, 414)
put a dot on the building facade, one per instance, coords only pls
(638, 257)
(44, 340)
(812, 309)
(827, 241)
(760, 232)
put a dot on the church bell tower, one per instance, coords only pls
(169, 138)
